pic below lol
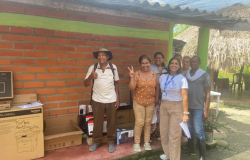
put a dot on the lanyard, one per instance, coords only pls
(167, 83)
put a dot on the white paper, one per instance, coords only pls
(185, 129)
(35, 104)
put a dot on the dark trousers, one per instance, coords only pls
(98, 113)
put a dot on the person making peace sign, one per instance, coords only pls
(145, 85)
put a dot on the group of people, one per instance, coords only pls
(180, 93)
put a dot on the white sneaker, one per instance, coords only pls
(137, 148)
(164, 157)
(147, 146)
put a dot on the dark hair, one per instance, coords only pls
(179, 70)
(163, 63)
(142, 57)
(186, 57)
(177, 55)
(199, 59)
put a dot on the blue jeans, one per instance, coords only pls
(195, 123)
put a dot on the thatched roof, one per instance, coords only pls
(226, 48)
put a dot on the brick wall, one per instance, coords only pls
(53, 63)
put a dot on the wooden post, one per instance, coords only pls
(211, 72)
(202, 50)
(240, 78)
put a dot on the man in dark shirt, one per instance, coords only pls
(199, 86)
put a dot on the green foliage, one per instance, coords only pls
(178, 28)
(212, 122)
(226, 75)
(229, 148)
(245, 70)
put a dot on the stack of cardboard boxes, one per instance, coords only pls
(125, 117)
(21, 130)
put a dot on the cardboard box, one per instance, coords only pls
(125, 116)
(125, 135)
(24, 98)
(5, 105)
(128, 125)
(131, 116)
(62, 132)
(90, 140)
(6, 85)
(124, 94)
(21, 133)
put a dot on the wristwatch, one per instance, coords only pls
(185, 112)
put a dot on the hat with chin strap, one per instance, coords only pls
(103, 50)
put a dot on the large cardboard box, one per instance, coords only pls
(124, 94)
(5, 105)
(125, 116)
(24, 98)
(62, 132)
(6, 85)
(128, 125)
(21, 133)
(131, 116)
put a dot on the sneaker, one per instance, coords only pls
(164, 157)
(93, 147)
(137, 148)
(147, 146)
(111, 148)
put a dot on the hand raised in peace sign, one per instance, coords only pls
(131, 72)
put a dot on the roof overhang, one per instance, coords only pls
(177, 14)
(145, 10)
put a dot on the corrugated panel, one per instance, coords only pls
(176, 14)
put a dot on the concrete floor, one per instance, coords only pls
(81, 152)
(236, 96)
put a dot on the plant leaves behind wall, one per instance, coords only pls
(178, 28)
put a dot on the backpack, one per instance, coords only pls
(83, 124)
(95, 67)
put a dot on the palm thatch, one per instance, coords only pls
(226, 48)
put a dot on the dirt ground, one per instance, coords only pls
(237, 134)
